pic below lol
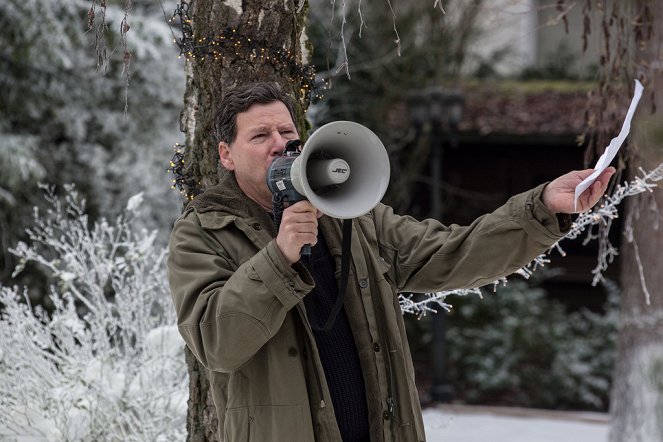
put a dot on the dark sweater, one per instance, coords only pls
(337, 349)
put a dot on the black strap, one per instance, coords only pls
(346, 258)
(277, 210)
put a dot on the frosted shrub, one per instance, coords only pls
(105, 363)
(519, 347)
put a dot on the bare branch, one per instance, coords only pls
(398, 38)
(439, 3)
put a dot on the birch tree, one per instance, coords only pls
(226, 43)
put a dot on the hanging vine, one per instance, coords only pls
(627, 31)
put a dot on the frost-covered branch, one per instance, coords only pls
(397, 40)
(606, 213)
(430, 301)
(49, 62)
(589, 222)
(105, 363)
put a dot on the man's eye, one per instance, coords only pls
(257, 136)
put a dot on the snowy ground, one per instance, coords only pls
(497, 424)
(494, 424)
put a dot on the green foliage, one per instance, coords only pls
(519, 347)
(561, 65)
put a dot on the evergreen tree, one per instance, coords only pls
(63, 116)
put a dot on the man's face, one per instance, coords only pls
(262, 133)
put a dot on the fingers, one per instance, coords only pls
(599, 186)
(299, 226)
(582, 174)
(594, 193)
(301, 207)
(300, 222)
(605, 176)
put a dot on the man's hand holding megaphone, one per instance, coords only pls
(299, 227)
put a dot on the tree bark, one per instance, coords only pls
(637, 396)
(268, 43)
(271, 25)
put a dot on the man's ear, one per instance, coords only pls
(225, 157)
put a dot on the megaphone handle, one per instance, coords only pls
(306, 250)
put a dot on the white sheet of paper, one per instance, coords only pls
(613, 147)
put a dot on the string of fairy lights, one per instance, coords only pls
(182, 180)
(232, 42)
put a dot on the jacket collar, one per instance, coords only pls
(226, 197)
(225, 202)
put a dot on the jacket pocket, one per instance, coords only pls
(385, 261)
(237, 425)
(267, 423)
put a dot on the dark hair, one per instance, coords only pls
(239, 99)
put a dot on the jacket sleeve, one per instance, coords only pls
(427, 256)
(226, 312)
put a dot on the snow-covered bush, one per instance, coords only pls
(63, 118)
(105, 362)
(520, 347)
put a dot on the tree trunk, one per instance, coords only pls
(253, 40)
(261, 40)
(637, 396)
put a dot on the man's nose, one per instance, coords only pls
(278, 144)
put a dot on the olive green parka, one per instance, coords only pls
(240, 306)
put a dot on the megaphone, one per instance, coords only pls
(343, 170)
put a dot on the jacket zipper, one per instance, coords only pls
(382, 330)
(391, 402)
(316, 374)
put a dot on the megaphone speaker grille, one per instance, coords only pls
(367, 161)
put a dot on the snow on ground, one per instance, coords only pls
(499, 424)
(495, 424)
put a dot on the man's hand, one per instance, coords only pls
(299, 226)
(559, 195)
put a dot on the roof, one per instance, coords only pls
(525, 108)
(517, 108)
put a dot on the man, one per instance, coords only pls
(250, 309)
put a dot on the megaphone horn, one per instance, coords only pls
(343, 170)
